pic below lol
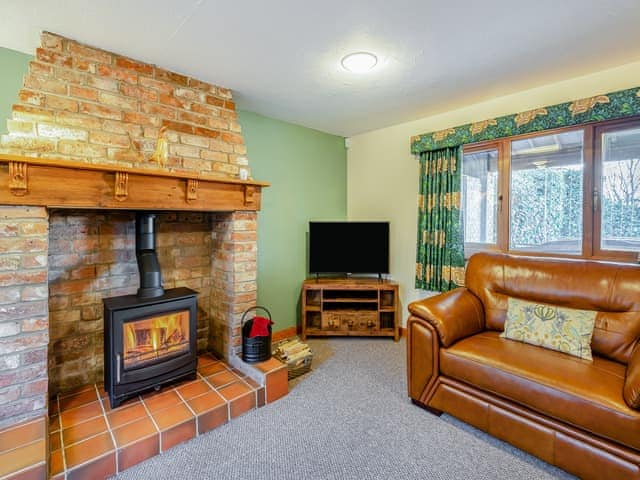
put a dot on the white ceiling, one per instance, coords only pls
(281, 57)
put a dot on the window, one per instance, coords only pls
(546, 193)
(479, 198)
(569, 192)
(619, 190)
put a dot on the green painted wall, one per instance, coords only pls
(13, 66)
(307, 170)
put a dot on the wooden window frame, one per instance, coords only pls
(597, 251)
(591, 213)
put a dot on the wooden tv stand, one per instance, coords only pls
(355, 307)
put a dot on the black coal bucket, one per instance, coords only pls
(255, 349)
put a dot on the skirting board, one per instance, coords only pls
(292, 331)
(282, 334)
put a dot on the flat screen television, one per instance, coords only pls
(348, 247)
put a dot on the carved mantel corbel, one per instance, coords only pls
(122, 186)
(18, 178)
(192, 189)
(249, 195)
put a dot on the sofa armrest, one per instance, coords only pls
(631, 391)
(422, 357)
(455, 314)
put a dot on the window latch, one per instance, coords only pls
(596, 199)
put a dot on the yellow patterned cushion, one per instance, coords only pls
(558, 328)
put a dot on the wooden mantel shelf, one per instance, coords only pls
(67, 184)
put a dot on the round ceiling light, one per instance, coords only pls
(359, 62)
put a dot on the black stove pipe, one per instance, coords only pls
(148, 266)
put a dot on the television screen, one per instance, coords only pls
(349, 247)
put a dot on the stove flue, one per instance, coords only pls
(148, 265)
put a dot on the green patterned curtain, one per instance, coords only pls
(440, 247)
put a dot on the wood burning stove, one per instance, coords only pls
(148, 342)
(149, 338)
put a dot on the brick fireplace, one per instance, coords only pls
(77, 163)
(195, 250)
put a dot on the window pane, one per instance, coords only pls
(546, 193)
(479, 196)
(620, 191)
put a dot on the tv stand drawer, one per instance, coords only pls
(355, 320)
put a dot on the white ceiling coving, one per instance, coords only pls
(282, 57)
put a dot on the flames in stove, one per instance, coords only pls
(149, 339)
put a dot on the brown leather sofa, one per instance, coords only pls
(581, 416)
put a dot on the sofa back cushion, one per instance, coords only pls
(611, 289)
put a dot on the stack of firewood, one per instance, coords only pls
(296, 355)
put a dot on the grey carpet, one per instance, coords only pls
(350, 418)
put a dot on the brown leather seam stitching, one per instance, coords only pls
(611, 285)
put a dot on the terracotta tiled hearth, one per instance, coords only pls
(95, 441)
(81, 136)
(23, 450)
(87, 439)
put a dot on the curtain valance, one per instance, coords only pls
(614, 105)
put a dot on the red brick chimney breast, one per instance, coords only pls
(85, 104)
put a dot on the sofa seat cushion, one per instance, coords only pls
(584, 394)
